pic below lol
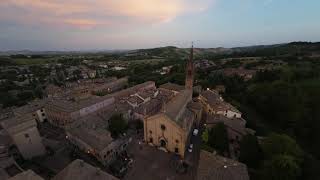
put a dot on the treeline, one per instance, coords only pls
(288, 100)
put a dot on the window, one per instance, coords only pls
(176, 150)
(43, 114)
(26, 135)
(41, 110)
(163, 127)
(151, 140)
(177, 141)
(150, 132)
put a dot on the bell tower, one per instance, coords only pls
(190, 71)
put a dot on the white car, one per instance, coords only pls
(195, 132)
(191, 146)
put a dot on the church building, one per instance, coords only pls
(171, 128)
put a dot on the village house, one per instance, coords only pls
(36, 108)
(90, 135)
(213, 104)
(25, 135)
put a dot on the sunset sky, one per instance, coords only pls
(130, 24)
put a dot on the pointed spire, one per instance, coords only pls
(189, 70)
(191, 53)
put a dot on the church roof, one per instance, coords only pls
(215, 167)
(178, 104)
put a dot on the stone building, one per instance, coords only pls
(25, 135)
(63, 112)
(170, 129)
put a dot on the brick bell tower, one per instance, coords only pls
(190, 71)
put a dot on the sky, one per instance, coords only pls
(130, 24)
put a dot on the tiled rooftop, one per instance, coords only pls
(215, 167)
(80, 170)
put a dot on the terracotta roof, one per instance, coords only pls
(26, 175)
(213, 98)
(135, 99)
(79, 170)
(172, 87)
(30, 107)
(215, 167)
(18, 120)
(177, 104)
(237, 124)
(93, 131)
(195, 105)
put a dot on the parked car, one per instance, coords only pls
(195, 132)
(190, 148)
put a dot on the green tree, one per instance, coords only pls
(281, 167)
(284, 158)
(205, 136)
(117, 125)
(218, 138)
(281, 144)
(250, 151)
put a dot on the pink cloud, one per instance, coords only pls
(92, 13)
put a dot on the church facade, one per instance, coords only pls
(171, 128)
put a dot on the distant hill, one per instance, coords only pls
(171, 51)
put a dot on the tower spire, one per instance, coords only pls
(190, 71)
(191, 52)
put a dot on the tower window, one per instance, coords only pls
(163, 127)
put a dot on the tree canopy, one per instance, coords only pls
(117, 125)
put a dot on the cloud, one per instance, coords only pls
(93, 13)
